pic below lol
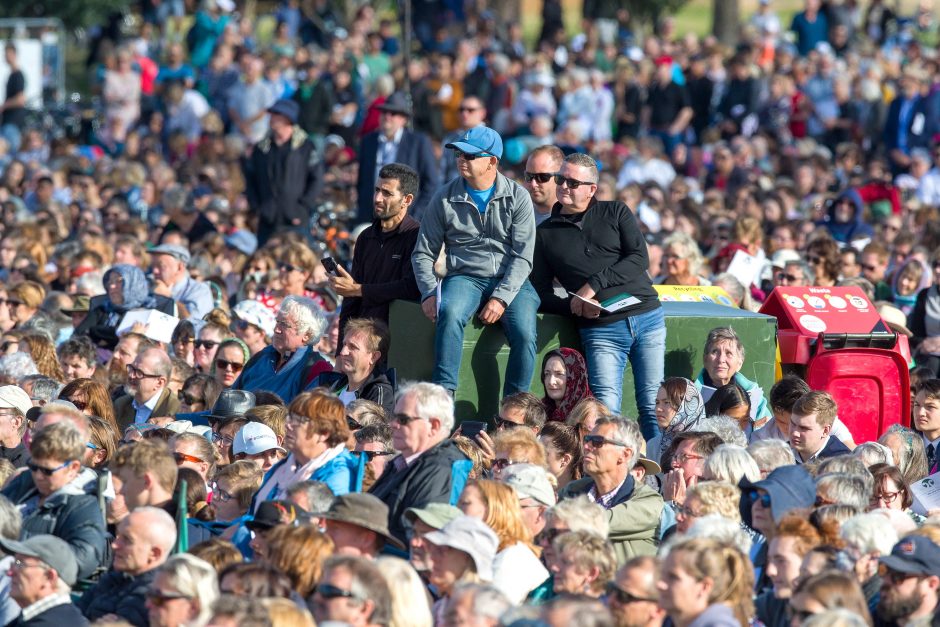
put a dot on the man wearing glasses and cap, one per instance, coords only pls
(43, 572)
(487, 224)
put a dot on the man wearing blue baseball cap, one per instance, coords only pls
(910, 583)
(283, 175)
(487, 224)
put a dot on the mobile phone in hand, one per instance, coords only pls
(330, 266)
(472, 428)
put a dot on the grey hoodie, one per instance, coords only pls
(498, 243)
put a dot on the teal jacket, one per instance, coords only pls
(761, 411)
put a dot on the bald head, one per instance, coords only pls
(155, 526)
(60, 412)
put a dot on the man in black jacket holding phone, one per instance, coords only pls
(381, 270)
(596, 251)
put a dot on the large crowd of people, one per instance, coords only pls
(201, 424)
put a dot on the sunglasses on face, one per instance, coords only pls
(502, 462)
(868, 268)
(159, 599)
(328, 591)
(371, 455)
(286, 267)
(79, 405)
(547, 536)
(206, 344)
(814, 260)
(404, 419)
(564, 181)
(541, 177)
(623, 597)
(763, 499)
(502, 423)
(468, 109)
(459, 154)
(597, 441)
(353, 424)
(183, 457)
(48, 472)
(787, 277)
(224, 364)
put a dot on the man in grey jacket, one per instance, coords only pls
(487, 225)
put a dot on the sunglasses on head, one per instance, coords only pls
(206, 344)
(353, 424)
(564, 181)
(541, 177)
(223, 364)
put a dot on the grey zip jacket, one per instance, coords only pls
(497, 243)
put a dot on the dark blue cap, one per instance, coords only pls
(288, 108)
(790, 488)
(914, 555)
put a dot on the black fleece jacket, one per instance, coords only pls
(605, 249)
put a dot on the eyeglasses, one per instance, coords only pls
(189, 399)
(183, 457)
(206, 344)
(763, 499)
(136, 373)
(503, 462)
(297, 419)
(623, 597)
(782, 276)
(404, 419)
(887, 497)
(13, 303)
(19, 564)
(813, 259)
(328, 591)
(159, 599)
(686, 512)
(597, 441)
(218, 494)
(34, 467)
(287, 267)
(459, 154)
(353, 424)
(92, 446)
(371, 455)
(541, 177)
(223, 364)
(564, 181)
(218, 438)
(685, 458)
(502, 423)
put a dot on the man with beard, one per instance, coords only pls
(147, 379)
(124, 354)
(910, 588)
(381, 270)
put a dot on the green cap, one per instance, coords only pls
(434, 515)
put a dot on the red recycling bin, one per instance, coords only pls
(834, 338)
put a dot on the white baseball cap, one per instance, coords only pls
(253, 312)
(254, 438)
(14, 397)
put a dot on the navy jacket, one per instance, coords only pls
(58, 616)
(919, 121)
(414, 150)
(834, 447)
(121, 594)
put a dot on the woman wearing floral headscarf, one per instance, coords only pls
(564, 375)
(679, 406)
(126, 288)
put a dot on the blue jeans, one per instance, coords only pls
(642, 340)
(461, 298)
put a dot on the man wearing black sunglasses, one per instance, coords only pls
(486, 222)
(539, 178)
(596, 251)
(632, 597)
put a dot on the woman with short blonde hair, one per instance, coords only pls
(583, 563)
(517, 446)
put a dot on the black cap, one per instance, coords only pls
(398, 102)
(270, 514)
(288, 108)
(231, 404)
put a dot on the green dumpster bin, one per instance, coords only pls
(486, 351)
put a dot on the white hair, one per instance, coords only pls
(307, 315)
(488, 601)
(196, 578)
(11, 519)
(580, 513)
(730, 462)
(431, 401)
(15, 366)
(628, 432)
(409, 597)
(717, 527)
(871, 453)
(692, 252)
(725, 427)
(839, 617)
(870, 533)
(771, 454)
(845, 489)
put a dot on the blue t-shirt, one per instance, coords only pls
(481, 197)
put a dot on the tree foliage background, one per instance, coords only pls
(73, 13)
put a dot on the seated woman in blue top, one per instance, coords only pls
(126, 288)
(315, 437)
(290, 363)
(723, 358)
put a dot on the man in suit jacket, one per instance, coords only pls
(394, 143)
(147, 380)
(907, 124)
(810, 428)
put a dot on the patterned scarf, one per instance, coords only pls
(691, 410)
(576, 383)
